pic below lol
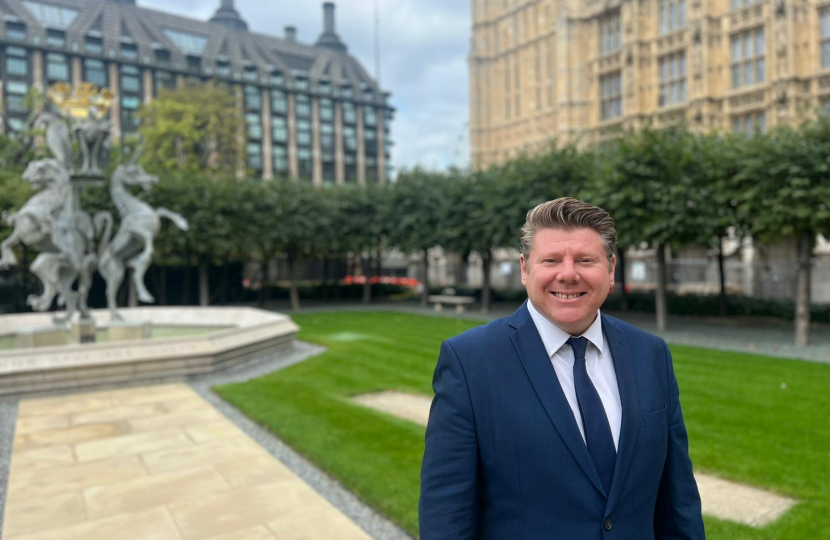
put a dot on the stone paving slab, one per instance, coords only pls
(720, 498)
(154, 462)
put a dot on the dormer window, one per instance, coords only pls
(346, 90)
(93, 44)
(250, 73)
(277, 78)
(163, 57)
(16, 30)
(194, 63)
(223, 69)
(55, 38)
(129, 51)
(301, 83)
(324, 87)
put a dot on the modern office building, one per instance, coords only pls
(312, 112)
(586, 69)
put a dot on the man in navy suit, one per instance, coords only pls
(558, 422)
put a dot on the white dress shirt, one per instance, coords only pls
(598, 362)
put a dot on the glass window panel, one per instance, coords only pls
(760, 70)
(15, 30)
(17, 66)
(736, 76)
(825, 54)
(279, 129)
(187, 43)
(825, 23)
(280, 158)
(749, 75)
(681, 17)
(762, 122)
(759, 42)
(51, 15)
(736, 125)
(57, 67)
(736, 48)
(748, 44)
(279, 103)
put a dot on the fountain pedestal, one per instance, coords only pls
(128, 330)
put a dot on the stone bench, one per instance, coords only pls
(458, 301)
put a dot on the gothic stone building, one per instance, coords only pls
(586, 69)
(312, 112)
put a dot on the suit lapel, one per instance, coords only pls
(542, 376)
(629, 398)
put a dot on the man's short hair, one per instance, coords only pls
(568, 213)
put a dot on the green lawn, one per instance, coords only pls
(743, 425)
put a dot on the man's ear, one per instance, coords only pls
(613, 272)
(524, 269)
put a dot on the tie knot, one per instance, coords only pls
(578, 344)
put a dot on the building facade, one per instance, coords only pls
(312, 112)
(543, 70)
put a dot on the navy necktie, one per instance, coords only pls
(594, 421)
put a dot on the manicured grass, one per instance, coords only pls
(743, 425)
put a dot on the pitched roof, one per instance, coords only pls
(149, 29)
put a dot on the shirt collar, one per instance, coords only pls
(554, 337)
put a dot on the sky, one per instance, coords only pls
(423, 62)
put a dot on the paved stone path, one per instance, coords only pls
(153, 462)
(720, 498)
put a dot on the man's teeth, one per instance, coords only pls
(567, 296)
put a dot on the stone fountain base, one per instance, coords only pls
(241, 334)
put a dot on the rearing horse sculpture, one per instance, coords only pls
(132, 245)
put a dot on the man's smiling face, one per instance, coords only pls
(568, 276)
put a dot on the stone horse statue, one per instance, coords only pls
(62, 235)
(34, 222)
(132, 245)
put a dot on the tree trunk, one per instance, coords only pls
(225, 285)
(723, 307)
(366, 264)
(325, 291)
(425, 284)
(802, 298)
(487, 263)
(661, 287)
(623, 287)
(204, 284)
(293, 293)
(378, 260)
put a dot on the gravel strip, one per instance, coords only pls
(8, 418)
(377, 526)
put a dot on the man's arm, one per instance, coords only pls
(448, 508)
(677, 514)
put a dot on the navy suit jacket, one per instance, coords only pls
(504, 458)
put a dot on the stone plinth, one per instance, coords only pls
(128, 330)
(83, 331)
(45, 336)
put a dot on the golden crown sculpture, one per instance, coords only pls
(81, 101)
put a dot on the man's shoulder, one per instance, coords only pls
(483, 337)
(631, 333)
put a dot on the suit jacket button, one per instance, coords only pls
(607, 524)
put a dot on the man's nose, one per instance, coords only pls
(567, 272)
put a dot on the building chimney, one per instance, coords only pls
(227, 15)
(329, 37)
(328, 18)
(291, 33)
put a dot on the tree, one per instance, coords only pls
(193, 130)
(650, 192)
(416, 202)
(783, 193)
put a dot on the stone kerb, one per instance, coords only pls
(253, 333)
